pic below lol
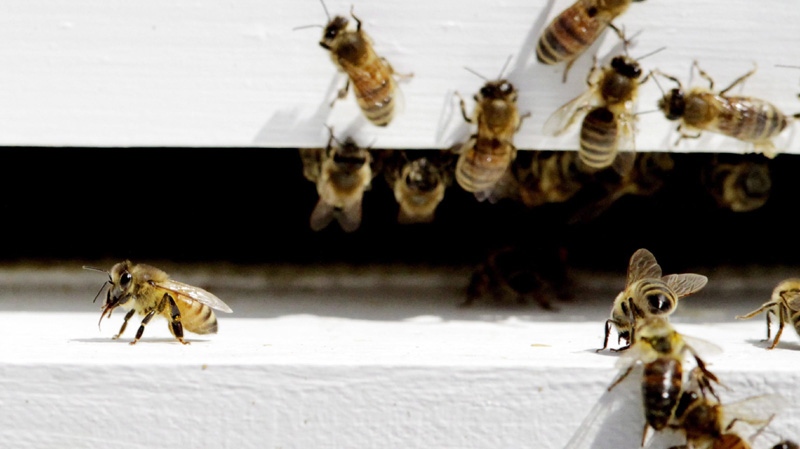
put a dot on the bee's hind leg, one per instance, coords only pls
(175, 325)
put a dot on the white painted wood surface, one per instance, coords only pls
(348, 359)
(235, 73)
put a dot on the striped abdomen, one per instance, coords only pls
(652, 297)
(197, 317)
(661, 388)
(374, 89)
(730, 441)
(598, 139)
(569, 34)
(744, 118)
(483, 164)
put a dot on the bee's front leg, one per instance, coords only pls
(124, 323)
(146, 320)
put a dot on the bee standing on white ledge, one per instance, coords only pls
(149, 291)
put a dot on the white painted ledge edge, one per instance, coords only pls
(220, 74)
(351, 361)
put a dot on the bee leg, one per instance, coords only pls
(399, 76)
(144, 322)
(769, 323)
(566, 70)
(607, 334)
(644, 433)
(521, 118)
(342, 92)
(175, 325)
(124, 324)
(621, 377)
(705, 76)
(766, 307)
(781, 318)
(737, 81)
(463, 108)
(358, 21)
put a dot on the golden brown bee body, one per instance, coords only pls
(647, 294)
(740, 186)
(146, 290)
(607, 136)
(707, 423)
(747, 119)
(784, 305)
(419, 186)
(575, 29)
(487, 155)
(371, 76)
(342, 173)
(662, 351)
(551, 177)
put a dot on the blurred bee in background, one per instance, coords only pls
(662, 351)
(784, 305)
(372, 76)
(747, 119)
(149, 291)
(547, 177)
(647, 294)
(707, 423)
(488, 153)
(341, 173)
(741, 186)
(607, 134)
(522, 274)
(786, 444)
(576, 28)
(418, 183)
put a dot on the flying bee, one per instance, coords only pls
(784, 305)
(747, 119)
(576, 28)
(342, 173)
(707, 423)
(419, 185)
(488, 153)
(740, 186)
(662, 352)
(607, 135)
(149, 291)
(647, 294)
(372, 76)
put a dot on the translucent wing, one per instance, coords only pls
(565, 116)
(753, 413)
(700, 347)
(643, 265)
(626, 146)
(349, 217)
(685, 284)
(190, 293)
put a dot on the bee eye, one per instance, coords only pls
(125, 279)
(659, 303)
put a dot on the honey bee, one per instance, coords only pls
(607, 135)
(148, 291)
(709, 424)
(372, 76)
(550, 177)
(786, 444)
(487, 154)
(419, 185)
(785, 305)
(576, 28)
(647, 294)
(661, 351)
(342, 173)
(740, 186)
(747, 119)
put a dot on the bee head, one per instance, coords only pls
(500, 89)
(673, 104)
(421, 175)
(121, 280)
(332, 31)
(626, 67)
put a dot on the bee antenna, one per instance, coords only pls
(788, 66)
(505, 66)
(326, 10)
(658, 50)
(657, 83)
(646, 112)
(103, 287)
(307, 26)
(476, 74)
(330, 130)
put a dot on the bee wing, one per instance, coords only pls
(600, 429)
(190, 293)
(701, 348)
(754, 412)
(626, 147)
(349, 217)
(685, 284)
(643, 265)
(321, 216)
(560, 120)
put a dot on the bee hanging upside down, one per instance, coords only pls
(148, 291)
